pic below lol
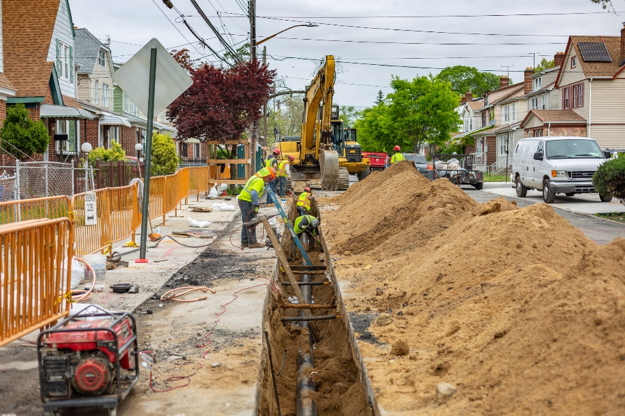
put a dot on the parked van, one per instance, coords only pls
(556, 165)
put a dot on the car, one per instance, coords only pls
(419, 162)
(556, 165)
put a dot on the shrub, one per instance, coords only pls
(22, 133)
(609, 179)
(115, 153)
(164, 158)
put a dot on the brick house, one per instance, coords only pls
(591, 83)
(6, 88)
(38, 48)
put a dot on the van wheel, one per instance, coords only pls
(521, 190)
(363, 174)
(548, 195)
(605, 198)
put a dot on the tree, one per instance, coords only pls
(544, 64)
(221, 103)
(348, 114)
(380, 98)
(603, 3)
(372, 133)
(24, 136)
(164, 158)
(465, 78)
(285, 115)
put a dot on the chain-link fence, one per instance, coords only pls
(28, 180)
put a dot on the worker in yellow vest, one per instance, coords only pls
(308, 224)
(272, 162)
(397, 157)
(303, 203)
(248, 203)
(284, 170)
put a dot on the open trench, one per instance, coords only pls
(330, 379)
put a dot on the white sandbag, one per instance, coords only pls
(223, 206)
(223, 187)
(212, 193)
(198, 224)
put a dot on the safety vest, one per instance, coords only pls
(255, 182)
(269, 162)
(299, 219)
(304, 201)
(282, 168)
(397, 157)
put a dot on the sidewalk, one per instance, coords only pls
(226, 383)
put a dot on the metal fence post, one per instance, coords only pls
(46, 178)
(18, 190)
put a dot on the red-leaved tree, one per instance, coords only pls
(222, 102)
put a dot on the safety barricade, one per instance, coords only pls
(198, 180)
(51, 207)
(34, 277)
(115, 217)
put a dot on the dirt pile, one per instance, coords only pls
(404, 206)
(498, 304)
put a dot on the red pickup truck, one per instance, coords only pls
(377, 161)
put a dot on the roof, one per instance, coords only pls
(545, 71)
(27, 32)
(507, 127)
(4, 83)
(71, 102)
(63, 112)
(476, 104)
(554, 116)
(87, 50)
(596, 69)
(517, 88)
(546, 88)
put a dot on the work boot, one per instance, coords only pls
(256, 245)
(245, 245)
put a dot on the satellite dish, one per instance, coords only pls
(492, 122)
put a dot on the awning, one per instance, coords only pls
(191, 141)
(108, 119)
(61, 111)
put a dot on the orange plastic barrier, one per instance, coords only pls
(34, 260)
(31, 209)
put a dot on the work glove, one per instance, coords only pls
(256, 210)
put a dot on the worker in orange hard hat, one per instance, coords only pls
(248, 203)
(284, 171)
(397, 157)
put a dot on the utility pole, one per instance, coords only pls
(252, 12)
(534, 54)
(264, 142)
(508, 68)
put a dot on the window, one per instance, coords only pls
(483, 119)
(105, 95)
(544, 102)
(574, 62)
(541, 148)
(573, 96)
(502, 142)
(102, 58)
(96, 93)
(183, 150)
(69, 127)
(478, 145)
(471, 125)
(466, 125)
(506, 113)
(566, 99)
(538, 83)
(66, 60)
(196, 150)
(534, 103)
(538, 133)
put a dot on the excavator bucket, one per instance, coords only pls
(329, 163)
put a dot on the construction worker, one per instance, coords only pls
(272, 162)
(303, 203)
(397, 157)
(308, 224)
(284, 170)
(248, 203)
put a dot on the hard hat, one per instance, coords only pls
(291, 158)
(307, 189)
(276, 151)
(272, 173)
(314, 223)
(397, 149)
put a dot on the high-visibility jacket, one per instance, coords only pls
(397, 157)
(304, 201)
(282, 168)
(254, 183)
(298, 220)
(270, 162)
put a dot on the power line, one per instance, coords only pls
(175, 27)
(467, 16)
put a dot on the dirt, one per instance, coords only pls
(514, 307)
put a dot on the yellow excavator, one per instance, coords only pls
(314, 154)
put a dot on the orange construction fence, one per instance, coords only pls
(35, 257)
(31, 209)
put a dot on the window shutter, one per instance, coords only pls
(58, 58)
(71, 64)
(581, 94)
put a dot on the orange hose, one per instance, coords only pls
(84, 294)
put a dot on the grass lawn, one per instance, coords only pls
(494, 178)
(615, 216)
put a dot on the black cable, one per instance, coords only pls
(449, 16)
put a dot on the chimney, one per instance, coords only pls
(468, 96)
(558, 59)
(527, 80)
(504, 81)
(622, 45)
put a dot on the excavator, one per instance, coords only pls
(314, 154)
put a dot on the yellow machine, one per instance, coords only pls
(350, 152)
(314, 154)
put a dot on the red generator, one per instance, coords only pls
(88, 360)
(377, 161)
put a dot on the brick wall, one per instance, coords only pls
(3, 111)
(469, 148)
(129, 140)
(491, 156)
(89, 132)
(579, 131)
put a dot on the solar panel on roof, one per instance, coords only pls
(594, 52)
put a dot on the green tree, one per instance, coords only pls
(164, 158)
(544, 64)
(348, 114)
(115, 153)
(25, 137)
(371, 126)
(285, 115)
(380, 98)
(609, 179)
(465, 78)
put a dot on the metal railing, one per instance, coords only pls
(51, 207)
(35, 259)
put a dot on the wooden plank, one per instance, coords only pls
(309, 306)
(324, 246)
(305, 267)
(312, 273)
(289, 273)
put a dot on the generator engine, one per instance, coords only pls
(83, 357)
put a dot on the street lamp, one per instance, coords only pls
(138, 148)
(86, 148)
(282, 31)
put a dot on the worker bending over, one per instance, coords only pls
(248, 203)
(272, 162)
(308, 224)
(304, 201)
(284, 170)
(397, 157)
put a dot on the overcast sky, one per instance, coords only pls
(131, 23)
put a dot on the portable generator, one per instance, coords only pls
(88, 360)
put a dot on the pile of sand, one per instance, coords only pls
(497, 303)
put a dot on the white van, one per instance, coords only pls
(556, 165)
